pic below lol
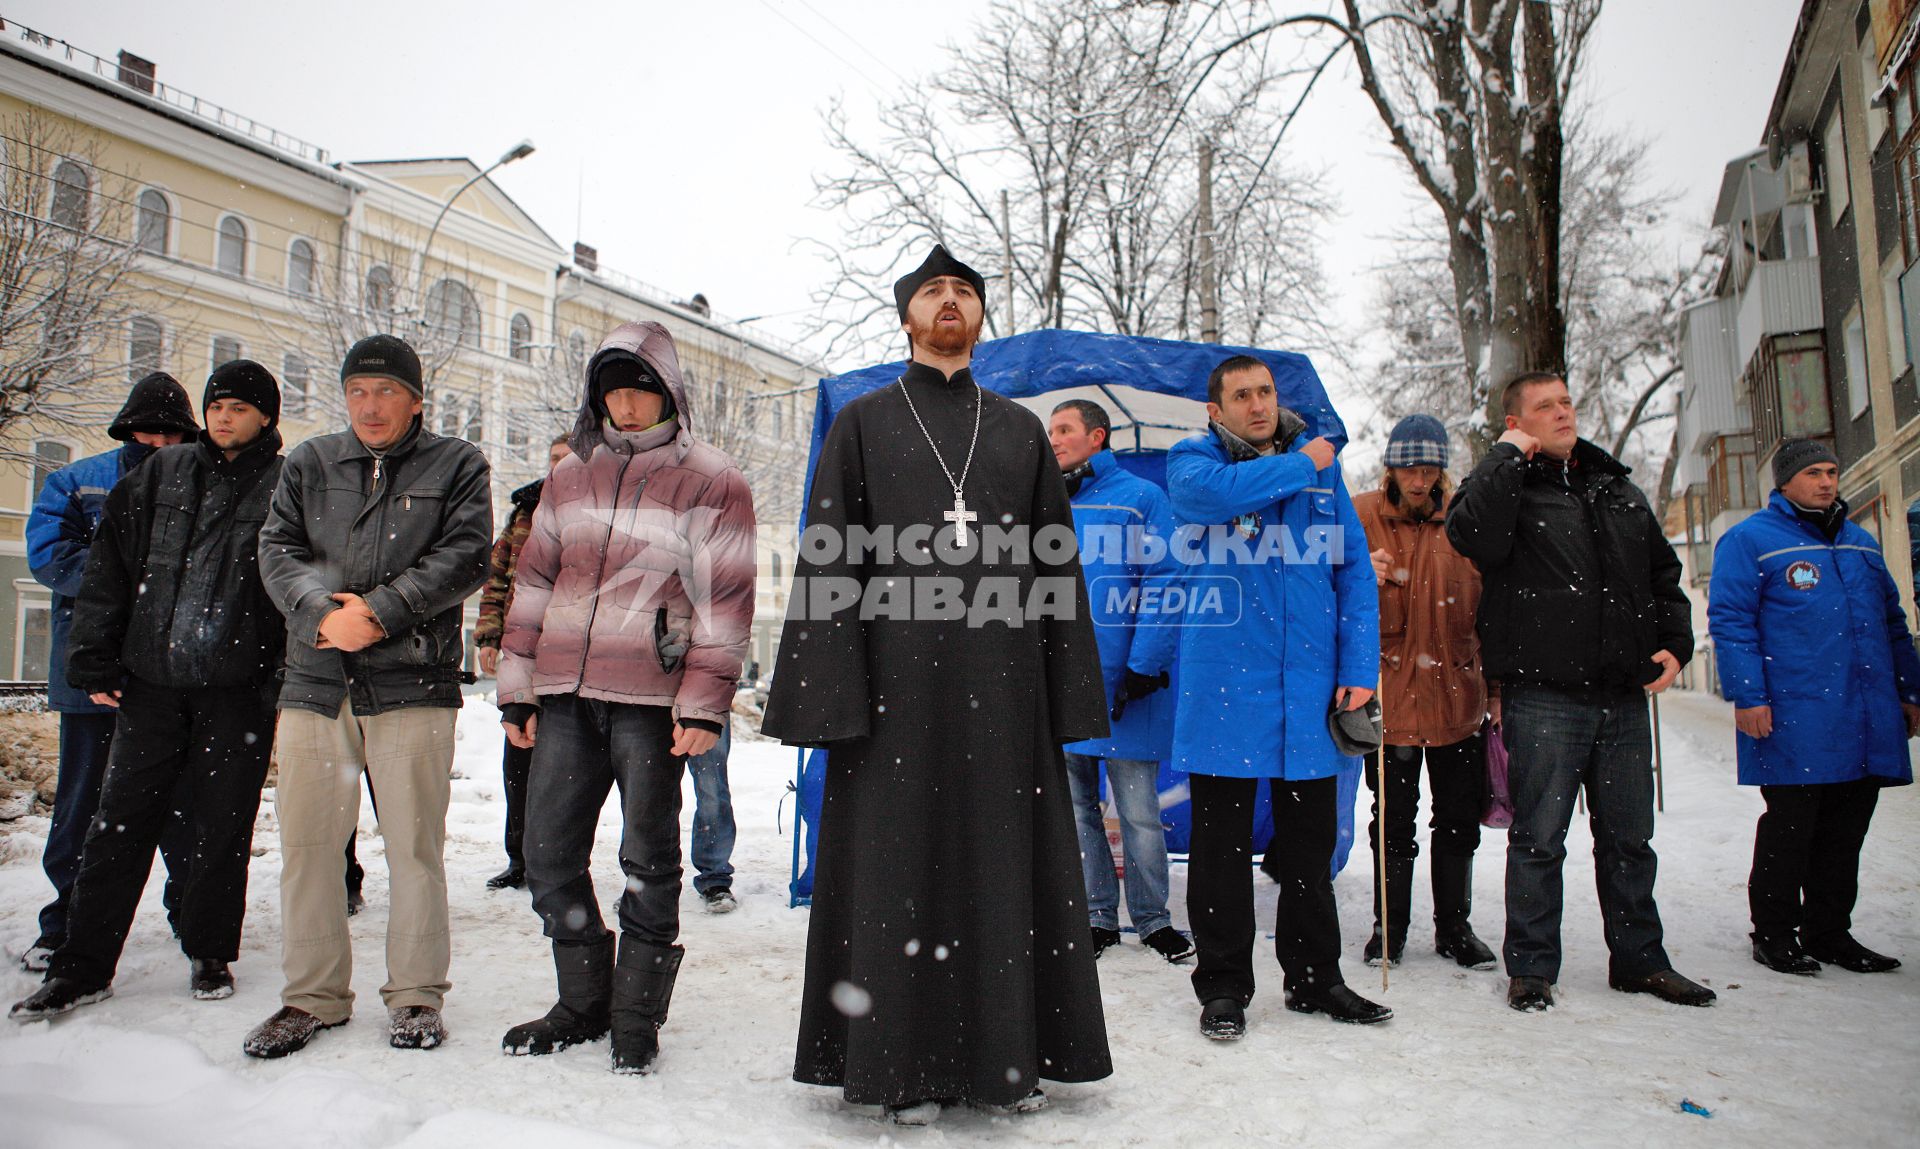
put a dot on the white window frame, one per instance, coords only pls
(1899, 341)
(25, 600)
(1835, 164)
(213, 349)
(246, 244)
(170, 234)
(1854, 340)
(53, 189)
(164, 341)
(288, 404)
(313, 266)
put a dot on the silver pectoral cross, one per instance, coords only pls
(960, 516)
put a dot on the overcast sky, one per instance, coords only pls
(682, 139)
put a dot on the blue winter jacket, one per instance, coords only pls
(1282, 609)
(1813, 629)
(1125, 527)
(59, 532)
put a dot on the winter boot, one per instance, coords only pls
(1453, 935)
(57, 995)
(1399, 910)
(209, 979)
(642, 989)
(287, 1031)
(584, 971)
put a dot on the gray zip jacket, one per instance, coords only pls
(408, 531)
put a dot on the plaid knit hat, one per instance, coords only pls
(1417, 441)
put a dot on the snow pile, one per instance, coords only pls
(1784, 1061)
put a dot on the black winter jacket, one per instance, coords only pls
(409, 532)
(173, 593)
(1580, 586)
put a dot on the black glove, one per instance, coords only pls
(517, 713)
(1136, 687)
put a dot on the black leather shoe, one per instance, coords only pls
(1340, 1004)
(1843, 951)
(511, 878)
(1464, 947)
(1223, 1019)
(1667, 986)
(1529, 995)
(1783, 955)
(1104, 940)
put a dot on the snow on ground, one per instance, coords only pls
(1782, 1061)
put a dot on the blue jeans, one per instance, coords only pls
(85, 742)
(713, 830)
(1143, 842)
(1559, 741)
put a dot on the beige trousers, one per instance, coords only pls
(408, 757)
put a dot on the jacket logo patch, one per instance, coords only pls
(1248, 525)
(1803, 575)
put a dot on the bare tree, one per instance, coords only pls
(1474, 95)
(1089, 115)
(67, 298)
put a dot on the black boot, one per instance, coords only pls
(1452, 905)
(584, 971)
(1399, 910)
(642, 989)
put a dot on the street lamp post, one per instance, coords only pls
(519, 151)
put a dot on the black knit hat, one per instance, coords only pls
(386, 357)
(156, 403)
(247, 381)
(939, 262)
(1796, 455)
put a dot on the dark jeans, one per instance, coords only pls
(1220, 884)
(713, 828)
(218, 739)
(85, 741)
(515, 764)
(1806, 859)
(585, 747)
(1559, 741)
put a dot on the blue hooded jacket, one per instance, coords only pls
(1813, 629)
(1125, 527)
(60, 531)
(1297, 613)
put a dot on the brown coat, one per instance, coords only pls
(1431, 690)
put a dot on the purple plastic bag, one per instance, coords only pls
(1499, 813)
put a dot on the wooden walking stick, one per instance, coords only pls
(1380, 855)
(1659, 776)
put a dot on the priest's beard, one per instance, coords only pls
(1419, 505)
(947, 341)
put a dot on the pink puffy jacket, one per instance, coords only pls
(636, 582)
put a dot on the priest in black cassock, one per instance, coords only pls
(948, 957)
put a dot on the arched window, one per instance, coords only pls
(520, 337)
(48, 457)
(146, 347)
(72, 196)
(153, 222)
(380, 295)
(230, 248)
(300, 267)
(453, 314)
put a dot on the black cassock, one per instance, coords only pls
(948, 954)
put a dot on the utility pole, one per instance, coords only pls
(1209, 305)
(1006, 257)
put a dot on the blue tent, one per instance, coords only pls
(1155, 391)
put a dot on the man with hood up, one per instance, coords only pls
(632, 606)
(66, 513)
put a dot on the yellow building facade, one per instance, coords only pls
(248, 243)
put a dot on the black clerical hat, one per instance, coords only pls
(939, 262)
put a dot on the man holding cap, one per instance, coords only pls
(175, 634)
(66, 513)
(375, 538)
(1815, 656)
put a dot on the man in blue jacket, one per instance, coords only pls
(1125, 528)
(1283, 622)
(60, 530)
(1816, 658)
